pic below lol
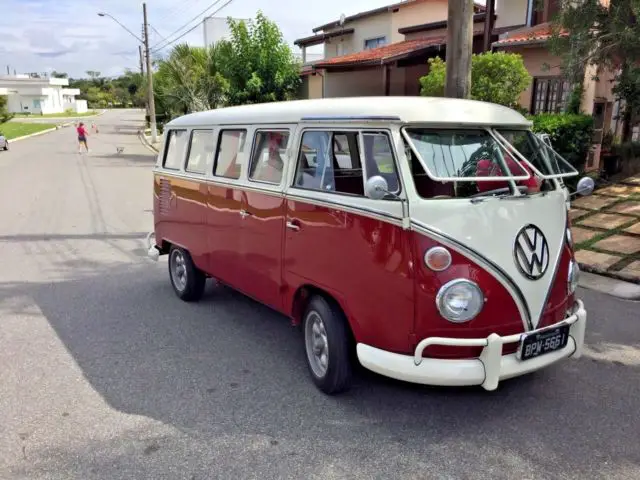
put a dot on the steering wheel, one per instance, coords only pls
(498, 191)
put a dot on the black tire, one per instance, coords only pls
(6, 145)
(188, 281)
(337, 373)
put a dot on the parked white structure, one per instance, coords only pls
(40, 95)
(217, 28)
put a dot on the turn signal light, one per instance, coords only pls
(437, 259)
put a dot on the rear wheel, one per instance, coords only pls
(187, 280)
(326, 339)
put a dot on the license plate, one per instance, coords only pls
(547, 341)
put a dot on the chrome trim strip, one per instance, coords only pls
(497, 272)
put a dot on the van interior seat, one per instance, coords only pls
(428, 188)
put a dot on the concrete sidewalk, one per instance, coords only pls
(606, 230)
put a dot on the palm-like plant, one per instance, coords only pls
(189, 80)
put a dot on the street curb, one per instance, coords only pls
(610, 286)
(42, 132)
(145, 143)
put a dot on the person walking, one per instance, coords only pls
(82, 137)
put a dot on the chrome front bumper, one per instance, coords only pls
(487, 370)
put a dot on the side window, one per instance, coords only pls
(378, 156)
(230, 152)
(267, 160)
(200, 151)
(174, 154)
(330, 161)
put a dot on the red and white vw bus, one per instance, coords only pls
(429, 234)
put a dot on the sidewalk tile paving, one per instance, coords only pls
(634, 229)
(604, 220)
(576, 213)
(606, 230)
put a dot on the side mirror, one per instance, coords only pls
(585, 187)
(376, 187)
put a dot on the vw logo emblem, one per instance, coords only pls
(531, 252)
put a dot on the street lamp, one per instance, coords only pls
(145, 42)
(103, 14)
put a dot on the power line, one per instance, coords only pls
(156, 47)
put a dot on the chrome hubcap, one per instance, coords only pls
(178, 270)
(317, 344)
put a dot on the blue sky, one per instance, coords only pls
(68, 35)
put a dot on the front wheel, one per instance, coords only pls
(6, 146)
(327, 346)
(188, 281)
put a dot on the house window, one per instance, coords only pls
(375, 42)
(340, 49)
(550, 95)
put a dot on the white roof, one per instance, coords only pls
(404, 109)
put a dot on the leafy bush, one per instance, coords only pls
(495, 77)
(5, 116)
(570, 135)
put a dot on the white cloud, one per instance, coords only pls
(68, 35)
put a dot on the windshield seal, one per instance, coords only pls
(501, 150)
(543, 147)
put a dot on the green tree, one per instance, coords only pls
(590, 33)
(258, 63)
(495, 77)
(189, 80)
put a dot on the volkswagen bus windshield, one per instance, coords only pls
(528, 147)
(463, 155)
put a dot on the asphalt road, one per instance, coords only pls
(105, 374)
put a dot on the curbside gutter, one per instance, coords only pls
(145, 142)
(617, 287)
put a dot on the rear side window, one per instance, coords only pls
(200, 151)
(174, 155)
(330, 161)
(267, 161)
(230, 153)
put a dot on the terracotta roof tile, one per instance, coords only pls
(539, 33)
(386, 53)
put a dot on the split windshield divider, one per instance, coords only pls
(540, 144)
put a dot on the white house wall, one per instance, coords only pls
(366, 28)
(511, 12)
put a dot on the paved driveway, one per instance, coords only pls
(105, 374)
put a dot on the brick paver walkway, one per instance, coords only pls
(606, 230)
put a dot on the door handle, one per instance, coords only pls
(293, 226)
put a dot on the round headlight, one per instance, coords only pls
(573, 277)
(459, 300)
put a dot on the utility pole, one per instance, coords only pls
(488, 24)
(152, 106)
(459, 47)
(141, 60)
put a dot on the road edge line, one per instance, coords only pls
(614, 287)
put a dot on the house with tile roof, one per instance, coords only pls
(370, 53)
(385, 52)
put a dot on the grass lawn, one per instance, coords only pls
(56, 115)
(16, 129)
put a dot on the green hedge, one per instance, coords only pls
(570, 134)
